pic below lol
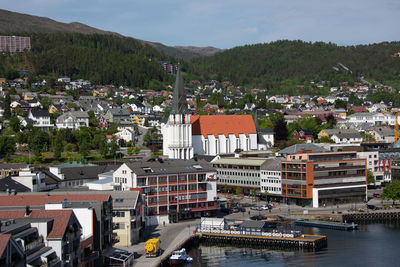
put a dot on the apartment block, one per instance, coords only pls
(15, 44)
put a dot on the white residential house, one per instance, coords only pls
(137, 107)
(372, 118)
(147, 108)
(40, 119)
(33, 180)
(73, 120)
(347, 138)
(1, 108)
(265, 138)
(126, 135)
(34, 103)
(158, 108)
(378, 107)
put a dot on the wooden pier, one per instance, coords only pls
(312, 242)
(378, 216)
(328, 225)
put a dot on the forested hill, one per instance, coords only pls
(18, 22)
(13, 22)
(102, 59)
(273, 64)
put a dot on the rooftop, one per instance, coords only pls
(241, 161)
(223, 125)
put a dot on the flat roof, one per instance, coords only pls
(241, 161)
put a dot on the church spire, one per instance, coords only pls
(179, 104)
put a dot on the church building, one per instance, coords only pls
(185, 135)
(177, 132)
(220, 134)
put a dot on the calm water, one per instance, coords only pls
(371, 245)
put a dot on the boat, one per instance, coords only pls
(179, 256)
(325, 224)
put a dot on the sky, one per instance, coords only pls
(228, 23)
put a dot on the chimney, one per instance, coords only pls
(27, 211)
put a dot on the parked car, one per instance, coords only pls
(235, 210)
(257, 218)
(256, 208)
(242, 209)
(225, 210)
(376, 195)
(372, 207)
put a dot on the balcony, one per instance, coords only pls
(94, 255)
(53, 262)
(33, 246)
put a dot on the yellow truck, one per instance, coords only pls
(152, 247)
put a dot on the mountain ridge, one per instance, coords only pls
(14, 22)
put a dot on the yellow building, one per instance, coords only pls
(127, 224)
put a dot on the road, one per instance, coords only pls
(172, 236)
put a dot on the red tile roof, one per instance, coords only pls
(222, 124)
(4, 238)
(60, 217)
(41, 200)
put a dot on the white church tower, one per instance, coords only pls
(177, 132)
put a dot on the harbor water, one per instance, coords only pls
(371, 245)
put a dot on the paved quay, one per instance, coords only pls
(172, 236)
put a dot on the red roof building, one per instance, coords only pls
(216, 134)
(223, 125)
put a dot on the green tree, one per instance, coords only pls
(58, 145)
(7, 146)
(325, 139)
(15, 124)
(340, 104)
(266, 196)
(238, 190)
(281, 130)
(38, 142)
(370, 177)
(225, 188)
(93, 122)
(146, 122)
(7, 107)
(45, 102)
(391, 191)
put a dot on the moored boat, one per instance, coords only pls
(179, 256)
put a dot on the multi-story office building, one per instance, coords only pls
(271, 179)
(243, 173)
(373, 164)
(172, 189)
(15, 44)
(324, 178)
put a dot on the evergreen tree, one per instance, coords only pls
(7, 107)
(58, 145)
(281, 131)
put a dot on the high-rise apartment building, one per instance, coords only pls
(15, 44)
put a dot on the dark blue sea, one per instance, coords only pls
(371, 245)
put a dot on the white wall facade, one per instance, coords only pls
(271, 182)
(177, 137)
(124, 178)
(222, 144)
